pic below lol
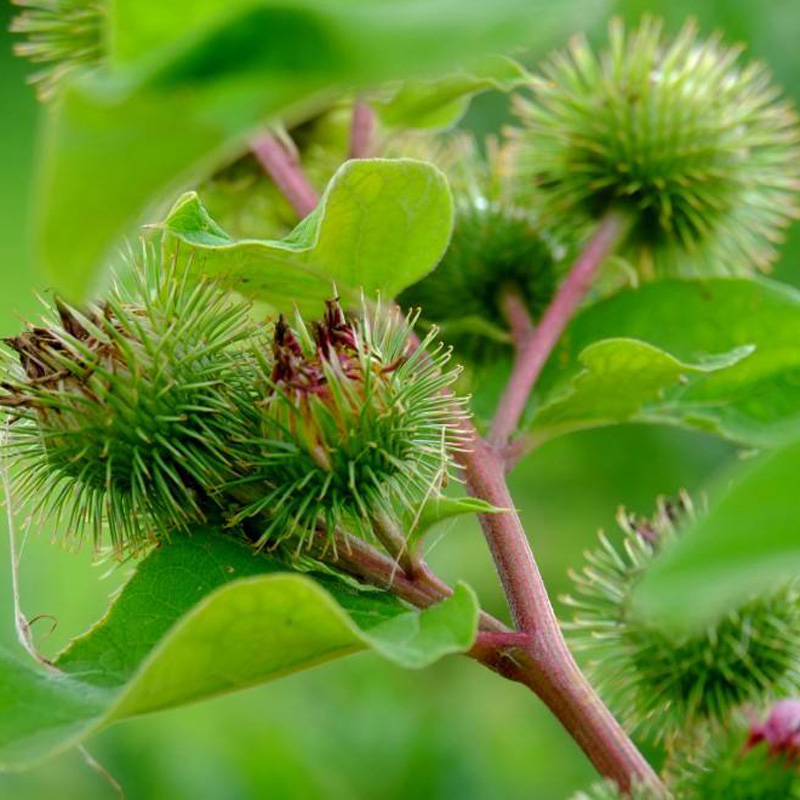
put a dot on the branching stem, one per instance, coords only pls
(546, 665)
(534, 348)
(536, 654)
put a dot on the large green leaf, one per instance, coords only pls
(191, 80)
(619, 378)
(381, 226)
(205, 615)
(755, 401)
(748, 541)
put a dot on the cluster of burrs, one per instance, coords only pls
(167, 405)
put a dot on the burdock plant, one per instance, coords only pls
(286, 457)
(668, 683)
(61, 37)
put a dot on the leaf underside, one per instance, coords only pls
(204, 615)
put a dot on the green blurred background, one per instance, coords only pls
(360, 728)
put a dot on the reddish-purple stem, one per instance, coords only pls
(362, 129)
(283, 166)
(534, 351)
(547, 667)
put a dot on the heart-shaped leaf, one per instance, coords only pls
(439, 103)
(755, 401)
(380, 226)
(620, 377)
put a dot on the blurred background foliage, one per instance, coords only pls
(360, 728)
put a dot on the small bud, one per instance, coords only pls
(734, 763)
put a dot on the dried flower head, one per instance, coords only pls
(62, 36)
(664, 682)
(121, 416)
(352, 421)
(697, 146)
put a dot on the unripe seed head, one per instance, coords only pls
(730, 765)
(497, 246)
(61, 35)
(780, 731)
(695, 145)
(353, 422)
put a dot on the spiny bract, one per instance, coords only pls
(352, 422)
(63, 36)
(695, 145)
(497, 246)
(666, 683)
(122, 416)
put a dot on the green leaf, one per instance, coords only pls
(619, 377)
(749, 541)
(190, 81)
(380, 226)
(440, 508)
(204, 615)
(755, 401)
(440, 103)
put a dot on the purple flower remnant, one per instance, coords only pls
(300, 373)
(780, 731)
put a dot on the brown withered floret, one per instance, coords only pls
(302, 374)
(48, 360)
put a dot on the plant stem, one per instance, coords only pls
(546, 665)
(362, 129)
(533, 352)
(283, 165)
(516, 313)
(539, 659)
